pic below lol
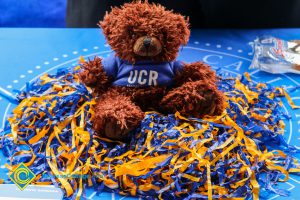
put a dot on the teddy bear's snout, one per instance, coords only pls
(147, 46)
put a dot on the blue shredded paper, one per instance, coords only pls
(234, 155)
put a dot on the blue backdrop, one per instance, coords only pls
(32, 13)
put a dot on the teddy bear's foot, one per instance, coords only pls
(116, 116)
(114, 130)
(194, 99)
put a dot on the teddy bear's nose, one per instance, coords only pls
(147, 46)
(147, 42)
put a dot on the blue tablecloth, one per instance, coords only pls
(25, 54)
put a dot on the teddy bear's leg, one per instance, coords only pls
(116, 115)
(194, 99)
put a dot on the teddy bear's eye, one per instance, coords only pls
(164, 35)
(130, 32)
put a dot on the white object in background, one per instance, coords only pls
(31, 192)
(275, 55)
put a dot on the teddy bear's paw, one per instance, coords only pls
(194, 99)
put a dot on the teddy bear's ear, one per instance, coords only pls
(183, 29)
(109, 21)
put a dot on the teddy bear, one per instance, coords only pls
(142, 73)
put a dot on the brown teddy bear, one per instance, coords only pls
(143, 73)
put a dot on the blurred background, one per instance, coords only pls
(203, 13)
(33, 13)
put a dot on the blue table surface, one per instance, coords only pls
(25, 54)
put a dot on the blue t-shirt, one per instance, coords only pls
(141, 74)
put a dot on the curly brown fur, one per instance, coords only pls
(194, 72)
(116, 115)
(194, 99)
(93, 75)
(119, 108)
(145, 98)
(123, 26)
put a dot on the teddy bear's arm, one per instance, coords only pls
(94, 75)
(196, 71)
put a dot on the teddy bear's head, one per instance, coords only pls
(144, 31)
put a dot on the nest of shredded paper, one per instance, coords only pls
(168, 157)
